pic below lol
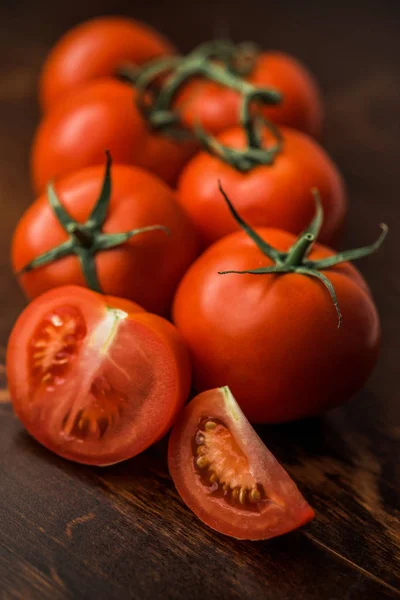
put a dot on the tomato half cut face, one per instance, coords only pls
(226, 475)
(92, 382)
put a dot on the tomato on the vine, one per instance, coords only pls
(226, 475)
(92, 382)
(94, 49)
(257, 311)
(123, 234)
(102, 115)
(267, 195)
(216, 107)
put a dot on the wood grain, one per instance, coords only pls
(69, 531)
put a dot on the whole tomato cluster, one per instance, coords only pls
(192, 189)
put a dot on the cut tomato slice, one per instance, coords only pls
(92, 382)
(226, 475)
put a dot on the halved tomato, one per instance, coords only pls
(226, 475)
(92, 382)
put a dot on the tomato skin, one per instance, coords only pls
(124, 304)
(174, 340)
(146, 269)
(278, 195)
(287, 509)
(99, 116)
(217, 108)
(95, 49)
(274, 339)
(171, 380)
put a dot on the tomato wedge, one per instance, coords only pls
(92, 382)
(226, 475)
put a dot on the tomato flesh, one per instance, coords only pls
(91, 382)
(226, 475)
(54, 347)
(222, 465)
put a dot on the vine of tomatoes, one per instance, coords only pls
(275, 325)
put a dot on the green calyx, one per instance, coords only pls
(295, 259)
(85, 240)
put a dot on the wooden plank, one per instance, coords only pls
(123, 530)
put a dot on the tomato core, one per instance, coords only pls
(223, 467)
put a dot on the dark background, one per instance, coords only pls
(75, 532)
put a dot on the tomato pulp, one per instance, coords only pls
(226, 475)
(92, 382)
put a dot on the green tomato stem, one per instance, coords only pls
(295, 260)
(204, 62)
(85, 240)
(298, 252)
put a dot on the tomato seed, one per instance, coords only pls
(254, 495)
(56, 320)
(202, 462)
(242, 496)
(210, 425)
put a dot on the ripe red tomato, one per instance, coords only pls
(276, 195)
(217, 107)
(226, 475)
(96, 49)
(91, 382)
(273, 338)
(99, 116)
(146, 268)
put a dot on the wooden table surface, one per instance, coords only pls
(69, 531)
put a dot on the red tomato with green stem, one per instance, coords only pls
(257, 311)
(96, 49)
(226, 475)
(92, 382)
(269, 174)
(123, 235)
(217, 106)
(102, 114)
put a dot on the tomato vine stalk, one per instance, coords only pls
(221, 62)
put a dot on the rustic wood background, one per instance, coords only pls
(69, 531)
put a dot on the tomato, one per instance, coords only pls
(98, 116)
(226, 475)
(276, 195)
(91, 382)
(96, 49)
(145, 268)
(270, 332)
(217, 107)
